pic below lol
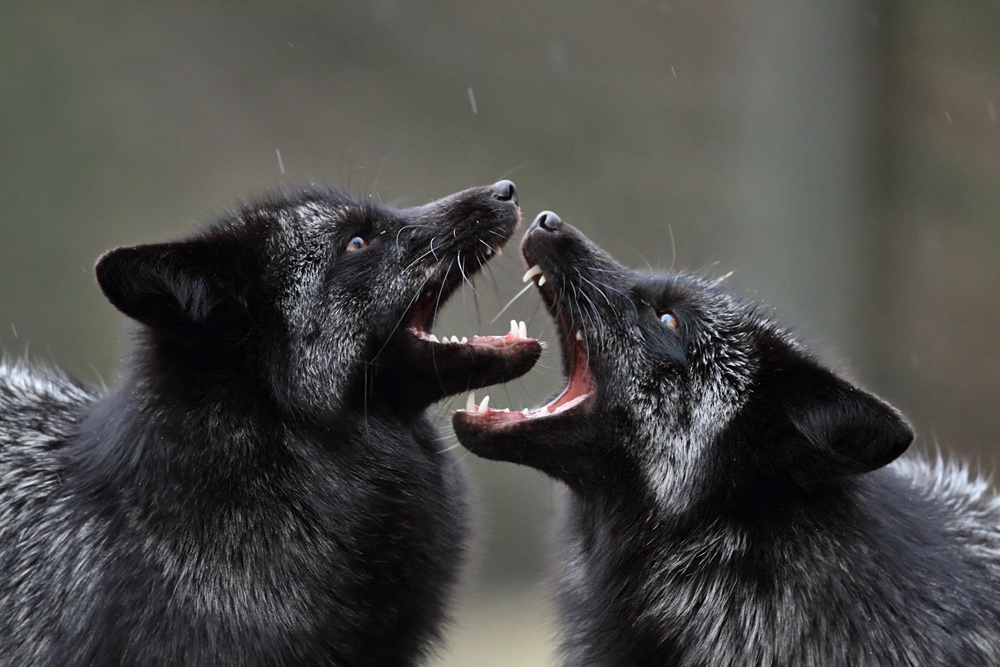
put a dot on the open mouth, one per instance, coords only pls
(576, 363)
(420, 368)
(414, 368)
(424, 311)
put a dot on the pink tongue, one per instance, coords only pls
(489, 341)
(580, 381)
(497, 341)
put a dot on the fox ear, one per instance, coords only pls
(829, 428)
(169, 285)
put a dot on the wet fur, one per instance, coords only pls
(246, 495)
(730, 499)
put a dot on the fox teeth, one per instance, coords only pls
(485, 404)
(541, 281)
(579, 335)
(522, 329)
(432, 338)
(498, 251)
(454, 339)
(470, 403)
(514, 329)
(544, 410)
(464, 340)
(531, 273)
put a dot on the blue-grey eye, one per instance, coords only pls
(669, 320)
(357, 243)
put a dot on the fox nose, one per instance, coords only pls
(505, 191)
(548, 221)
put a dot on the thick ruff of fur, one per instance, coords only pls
(732, 501)
(262, 488)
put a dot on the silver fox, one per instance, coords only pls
(731, 501)
(263, 487)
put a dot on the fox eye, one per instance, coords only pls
(357, 243)
(669, 320)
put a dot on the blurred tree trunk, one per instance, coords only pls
(935, 220)
(798, 196)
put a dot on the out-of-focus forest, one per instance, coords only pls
(842, 159)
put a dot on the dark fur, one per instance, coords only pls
(262, 488)
(731, 500)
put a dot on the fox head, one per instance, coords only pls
(679, 386)
(317, 299)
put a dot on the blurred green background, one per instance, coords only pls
(841, 158)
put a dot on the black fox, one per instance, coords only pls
(262, 488)
(731, 500)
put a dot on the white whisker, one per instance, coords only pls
(516, 296)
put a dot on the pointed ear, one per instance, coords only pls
(827, 428)
(168, 285)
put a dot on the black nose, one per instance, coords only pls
(505, 191)
(548, 221)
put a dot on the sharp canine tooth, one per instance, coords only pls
(433, 338)
(454, 339)
(544, 410)
(470, 403)
(464, 340)
(499, 251)
(522, 329)
(513, 328)
(541, 281)
(579, 335)
(531, 273)
(485, 404)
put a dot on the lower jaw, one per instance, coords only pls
(500, 417)
(575, 398)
